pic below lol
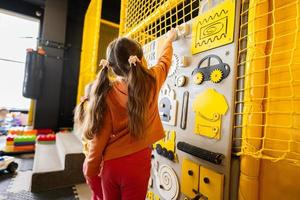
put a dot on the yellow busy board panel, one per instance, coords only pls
(168, 141)
(209, 106)
(166, 146)
(211, 184)
(189, 178)
(214, 28)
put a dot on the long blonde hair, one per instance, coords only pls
(79, 111)
(140, 83)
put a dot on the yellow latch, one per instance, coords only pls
(209, 106)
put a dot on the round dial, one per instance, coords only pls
(180, 81)
(167, 182)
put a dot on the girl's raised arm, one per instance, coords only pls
(161, 69)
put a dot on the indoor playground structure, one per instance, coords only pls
(231, 103)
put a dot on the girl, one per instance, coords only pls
(122, 120)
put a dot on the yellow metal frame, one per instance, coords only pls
(124, 5)
(90, 45)
(109, 23)
(90, 42)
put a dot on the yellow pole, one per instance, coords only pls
(253, 98)
(31, 113)
(124, 5)
(90, 42)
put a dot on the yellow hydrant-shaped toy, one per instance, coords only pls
(209, 106)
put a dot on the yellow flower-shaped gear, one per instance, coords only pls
(216, 76)
(198, 78)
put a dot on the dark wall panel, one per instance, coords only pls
(75, 21)
(111, 10)
(54, 28)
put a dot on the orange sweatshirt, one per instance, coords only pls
(114, 140)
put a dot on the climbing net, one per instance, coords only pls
(145, 20)
(267, 122)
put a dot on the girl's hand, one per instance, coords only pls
(172, 34)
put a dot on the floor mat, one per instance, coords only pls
(5, 180)
(61, 194)
(82, 192)
(20, 182)
(26, 164)
(17, 186)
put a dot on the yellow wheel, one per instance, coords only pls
(216, 76)
(198, 78)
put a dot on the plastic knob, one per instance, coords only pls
(180, 81)
(206, 180)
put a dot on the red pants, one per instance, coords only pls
(124, 178)
(95, 185)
